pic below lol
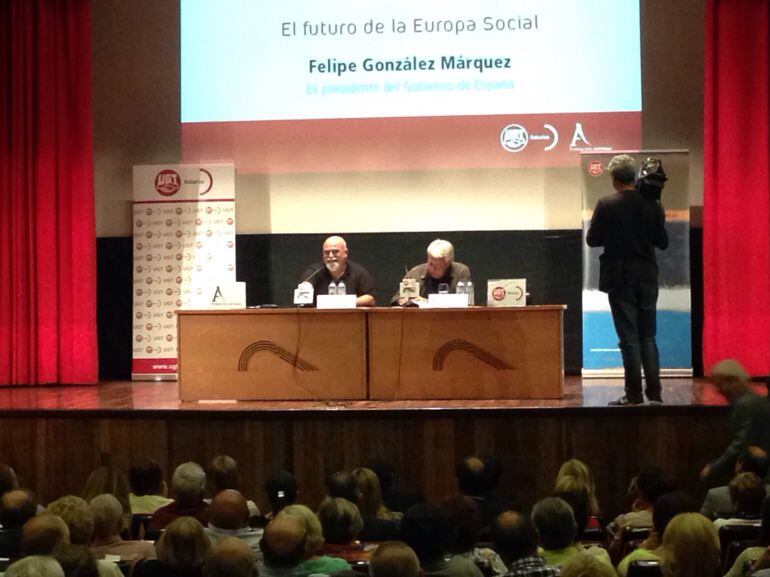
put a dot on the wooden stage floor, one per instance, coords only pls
(143, 397)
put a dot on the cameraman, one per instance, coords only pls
(629, 225)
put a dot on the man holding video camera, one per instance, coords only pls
(630, 224)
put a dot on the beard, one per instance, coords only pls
(332, 266)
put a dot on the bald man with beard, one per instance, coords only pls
(229, 517)
(337, 267)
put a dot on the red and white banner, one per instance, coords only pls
(184, 239)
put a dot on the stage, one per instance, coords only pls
(54, 436)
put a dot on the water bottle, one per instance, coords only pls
(341, 288)
(332, 288)
(469, 289)
(460, 290)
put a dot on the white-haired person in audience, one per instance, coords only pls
(181, 550)
(586, 565)
(108, 525)
(188, 485)
(79, 518)
(394, 559)
(440, 268)
(148, 490)
(313, 561)
(229, 517)
(35, 566)
(230, 557)
(755, 552)
(221, 474)
(556, 528)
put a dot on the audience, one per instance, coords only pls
(281, 489)
(753, 553)
(108, 479)
(380, 524)
(8, 479)
(148, 491)
(35, 566)
(43, 534)
(314, 562)
(747, 491)
(17, 506)
(478, 478)
(284, 546)
(691, 546)
(230, 557)
(108, 525)
(77, 561)
(515, 539)
(187, 487)
(222, 474)
(575, 476)
(395, 499)
(341, 522)
(181, 550)
(717, 502)
(466, 517)
(394, 559)
(586, 565)
(229, 517)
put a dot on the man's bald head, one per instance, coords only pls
(284, 541)
(42, 534)
(230, 557)
(394, 559)
(229, 510)
(514, 536)
(335, 255)
(17, 507)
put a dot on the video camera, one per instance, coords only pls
(652, 178)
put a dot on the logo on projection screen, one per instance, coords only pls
(167, 182)
(514, 138)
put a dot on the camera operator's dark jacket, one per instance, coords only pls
(629, 227)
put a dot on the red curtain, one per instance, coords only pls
(736, 195)
(47, 236)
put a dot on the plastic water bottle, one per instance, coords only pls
(332, 288)
(341, 288)
(460, 290)
(469, 289)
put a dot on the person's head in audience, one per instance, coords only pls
(651, 483)
(188, 484)
(493, 468)
(440, 255)
(43, 534)
(8, 479)
(16, 508)
(370, 494)
(753, 460)
(573, 476)
(230, 557)
(281, 488)
(77, 561)
(578, 502)
(229, 510)
(183, 546)
(747, 491)
(35, 566)
(730, 378)
(385, 472)
(76, 513)
(586, 565)
(341, 520)
(222, 473)
(108, 479)
(343, 485)
(284, 542)
(668, 506)
(108, 517)
(394, 559)
(313, 530)
(555, 523)
(465, 515)
(472, 476)
(691, 546)
(514, 536)
(428, 530)
(146, 478)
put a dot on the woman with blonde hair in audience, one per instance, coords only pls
(370, 502)
(575, 476)
(690, 547)
(314, 563)
(586, 565)
(108, 479)
(181, 550)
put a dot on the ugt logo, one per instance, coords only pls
(167, 182)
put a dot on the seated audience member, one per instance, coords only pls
(575, 476)
(428, 530)
(393, 498)
(148, 491)
(8, 479)
(313, 562)
(181, 550)
(440, 268)
(342, 485)
(394, 559)
(43, 534)
(79, 518)
(752, 554)
(747, 492)
(557, 530)
(380, 524)
(341, 522)
(586, 565)
(667, 506)
(515, 539)
(222, 474)
(717, 502)
(337, 267)
(108, 479)
(229, 517)
(578, 502)
(281, 489)
(230, 557)
(77, 561)
(108, 525)
(187, 487)
(284, 546)
(478, 478)
(466, 517)
(691, 547)
(35, 566)
(16, 508)
(645, 488)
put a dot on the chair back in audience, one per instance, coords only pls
(734, 548)
(731, 533)
(645, 568)
(139, 524)
(632, 537)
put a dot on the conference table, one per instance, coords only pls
(378, 353)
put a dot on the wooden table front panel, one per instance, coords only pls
(250, 354)
(478, 353)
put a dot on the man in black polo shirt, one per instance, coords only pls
(335, 268)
